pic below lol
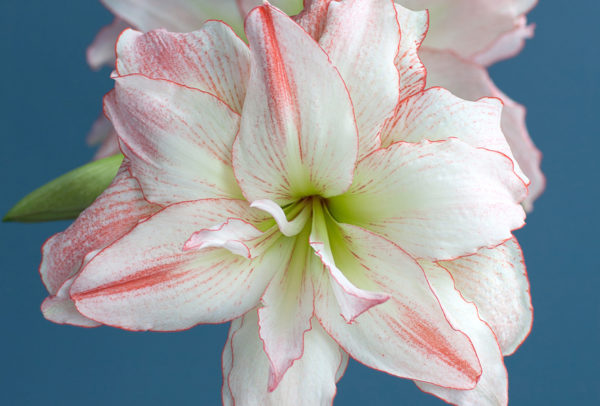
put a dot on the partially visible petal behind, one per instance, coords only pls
(508, 45)
(496, 281)
(472, 82)
(310, 381)
(102, 51)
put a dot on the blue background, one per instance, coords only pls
(49, 98)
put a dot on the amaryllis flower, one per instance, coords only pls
(309, 189)
(464, 37)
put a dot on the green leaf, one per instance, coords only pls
(68, 195)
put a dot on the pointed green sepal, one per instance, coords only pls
(68, 195)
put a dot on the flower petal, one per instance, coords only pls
(407, 336)
(116, 211)
(310, 380)
(178, 139)
(362, 38)
(60, 309)
(492, 388)
(175, 15)
(102, 51)
(507, 45)
(470, 81)
(436, 114)
(287, 228)
(352, 301)
(496, 281)
(297, 136)
(231, 235)
(313, 17)
(145, 281)
(413, 27)
(437, 200)
(467, 27)
(212, 59)
(287, 311)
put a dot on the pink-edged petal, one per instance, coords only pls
(212, 59)
(60, 308)
(362, 38)
(102, 51)
(116, 211)
(175, 15)
(231, 235)
(286, 314)
(178, 139)
(508, 45)
(287, 228)
(496, 281)
(352, 300)
(297, 136)
(310, 380)
(413, 27)
(436, 114)
(470, 81)
(492, 388)
(145, 281)
(407, 336)
(468, 27)
(437, 200)
(313, 17)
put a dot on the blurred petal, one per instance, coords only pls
(470, 81)
(407, 336)
(298, 135)
(496, 281)
(437, 200)
(492, 388)
(144, 281)
(102, 51)
(508, 45)
(212, 59)
(310, 381)
(177, 138)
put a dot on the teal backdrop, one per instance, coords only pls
(49, 98)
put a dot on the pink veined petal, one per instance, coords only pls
(145, 281)
(310, 380)
(352, 300)
(102, 51)
(362, 38)
(407, 336)
(313, 17)
(297, 134)
(470, 81)
(212, 59)
(285, 317)
(492, 388)
(413, 27)
(60, 308)
(508, 45)
(231, 235)
(116, 211)
(174, 15)
(437, 200)
(436, 114)
(496, 281)
(177, 138)
(468, 27)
